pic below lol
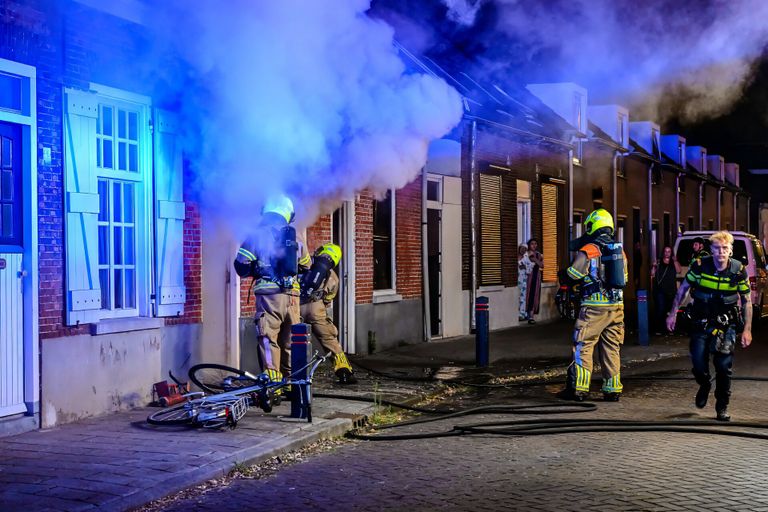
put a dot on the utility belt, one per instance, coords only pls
(721, 326)
(593, 287)
(267, 273)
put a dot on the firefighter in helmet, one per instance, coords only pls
(273, 257)
(319, 286)
(600, 269)
(721, 308)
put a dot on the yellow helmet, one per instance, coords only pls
(333, 251)
(280, 205)
(598, 219)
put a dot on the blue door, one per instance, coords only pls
(11, 208)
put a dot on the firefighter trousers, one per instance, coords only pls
(598, 328)
(315, 314)
(275, 314)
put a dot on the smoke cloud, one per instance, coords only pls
(660, 58)
(306, 98)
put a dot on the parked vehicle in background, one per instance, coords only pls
(747, 248)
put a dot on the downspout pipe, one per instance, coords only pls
(701, 205)
(719, 210)
(677, 204)
(425, 257)
(733, 209)
(614, 183)
(474, 199)
(651, 245)
(570, 196)
(749, 215)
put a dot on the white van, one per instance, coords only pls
(747, 248)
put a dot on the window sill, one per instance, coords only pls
(491, 288)
(386, 296)
(115, 325)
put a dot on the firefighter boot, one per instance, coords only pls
(569, 393)
(343, 369)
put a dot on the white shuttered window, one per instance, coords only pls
(111, 171)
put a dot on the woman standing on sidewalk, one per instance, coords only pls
(664, 278)
(524, 268)
(533, 290)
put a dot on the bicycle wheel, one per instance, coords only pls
(217, 378)
(177, 415)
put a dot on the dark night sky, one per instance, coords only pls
(740, 135)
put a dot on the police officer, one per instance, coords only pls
(319, 286)
(719, 287)
(273, 257)
(698, 250)
(600, 269)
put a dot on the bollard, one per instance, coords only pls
(642, 317)
(482, 311)
(299, 392)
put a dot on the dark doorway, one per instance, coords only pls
(336, 236)
(667, 231)
(434, 219)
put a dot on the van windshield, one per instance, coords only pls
(685, 251)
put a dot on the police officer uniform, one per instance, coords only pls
(600, 270)
(319, 287)
(715, 322)
(273, 256)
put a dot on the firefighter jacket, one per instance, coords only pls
(259, 257)
(714, 291)
(588, 271)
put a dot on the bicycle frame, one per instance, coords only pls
(227, 408)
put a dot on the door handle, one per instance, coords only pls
(22, 274)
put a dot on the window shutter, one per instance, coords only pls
(170, 294)
(549, 231)
(82, 209)
(490, 229)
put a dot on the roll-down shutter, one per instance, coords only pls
(490, 229)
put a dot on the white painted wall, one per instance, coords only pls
(220, 343)
(454, 307)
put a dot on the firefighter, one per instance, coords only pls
(698, 251)
(600, 269)
(719, 287)
(273, 257)
(319, 286)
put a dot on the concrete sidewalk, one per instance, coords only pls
(118, 462)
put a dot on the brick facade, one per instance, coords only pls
(364, 248)
(408, 240)
(71, 45)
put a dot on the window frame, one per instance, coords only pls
(142, 181)
(378, 292)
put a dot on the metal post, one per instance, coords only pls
(299, 392)
(482, 312)
(642, 317)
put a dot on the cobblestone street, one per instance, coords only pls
(600, 471)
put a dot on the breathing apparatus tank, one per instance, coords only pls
(285, 260)
(313, 279)
(612, 259)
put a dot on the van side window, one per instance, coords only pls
(740, 252)
(757, 248)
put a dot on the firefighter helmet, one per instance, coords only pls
(280, 205)
(598, 219)
(333, 251)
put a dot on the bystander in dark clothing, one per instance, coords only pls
(664, 280)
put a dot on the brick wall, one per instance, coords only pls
(71, 45)
(364, 248)
(408, 240)
(527, 160)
